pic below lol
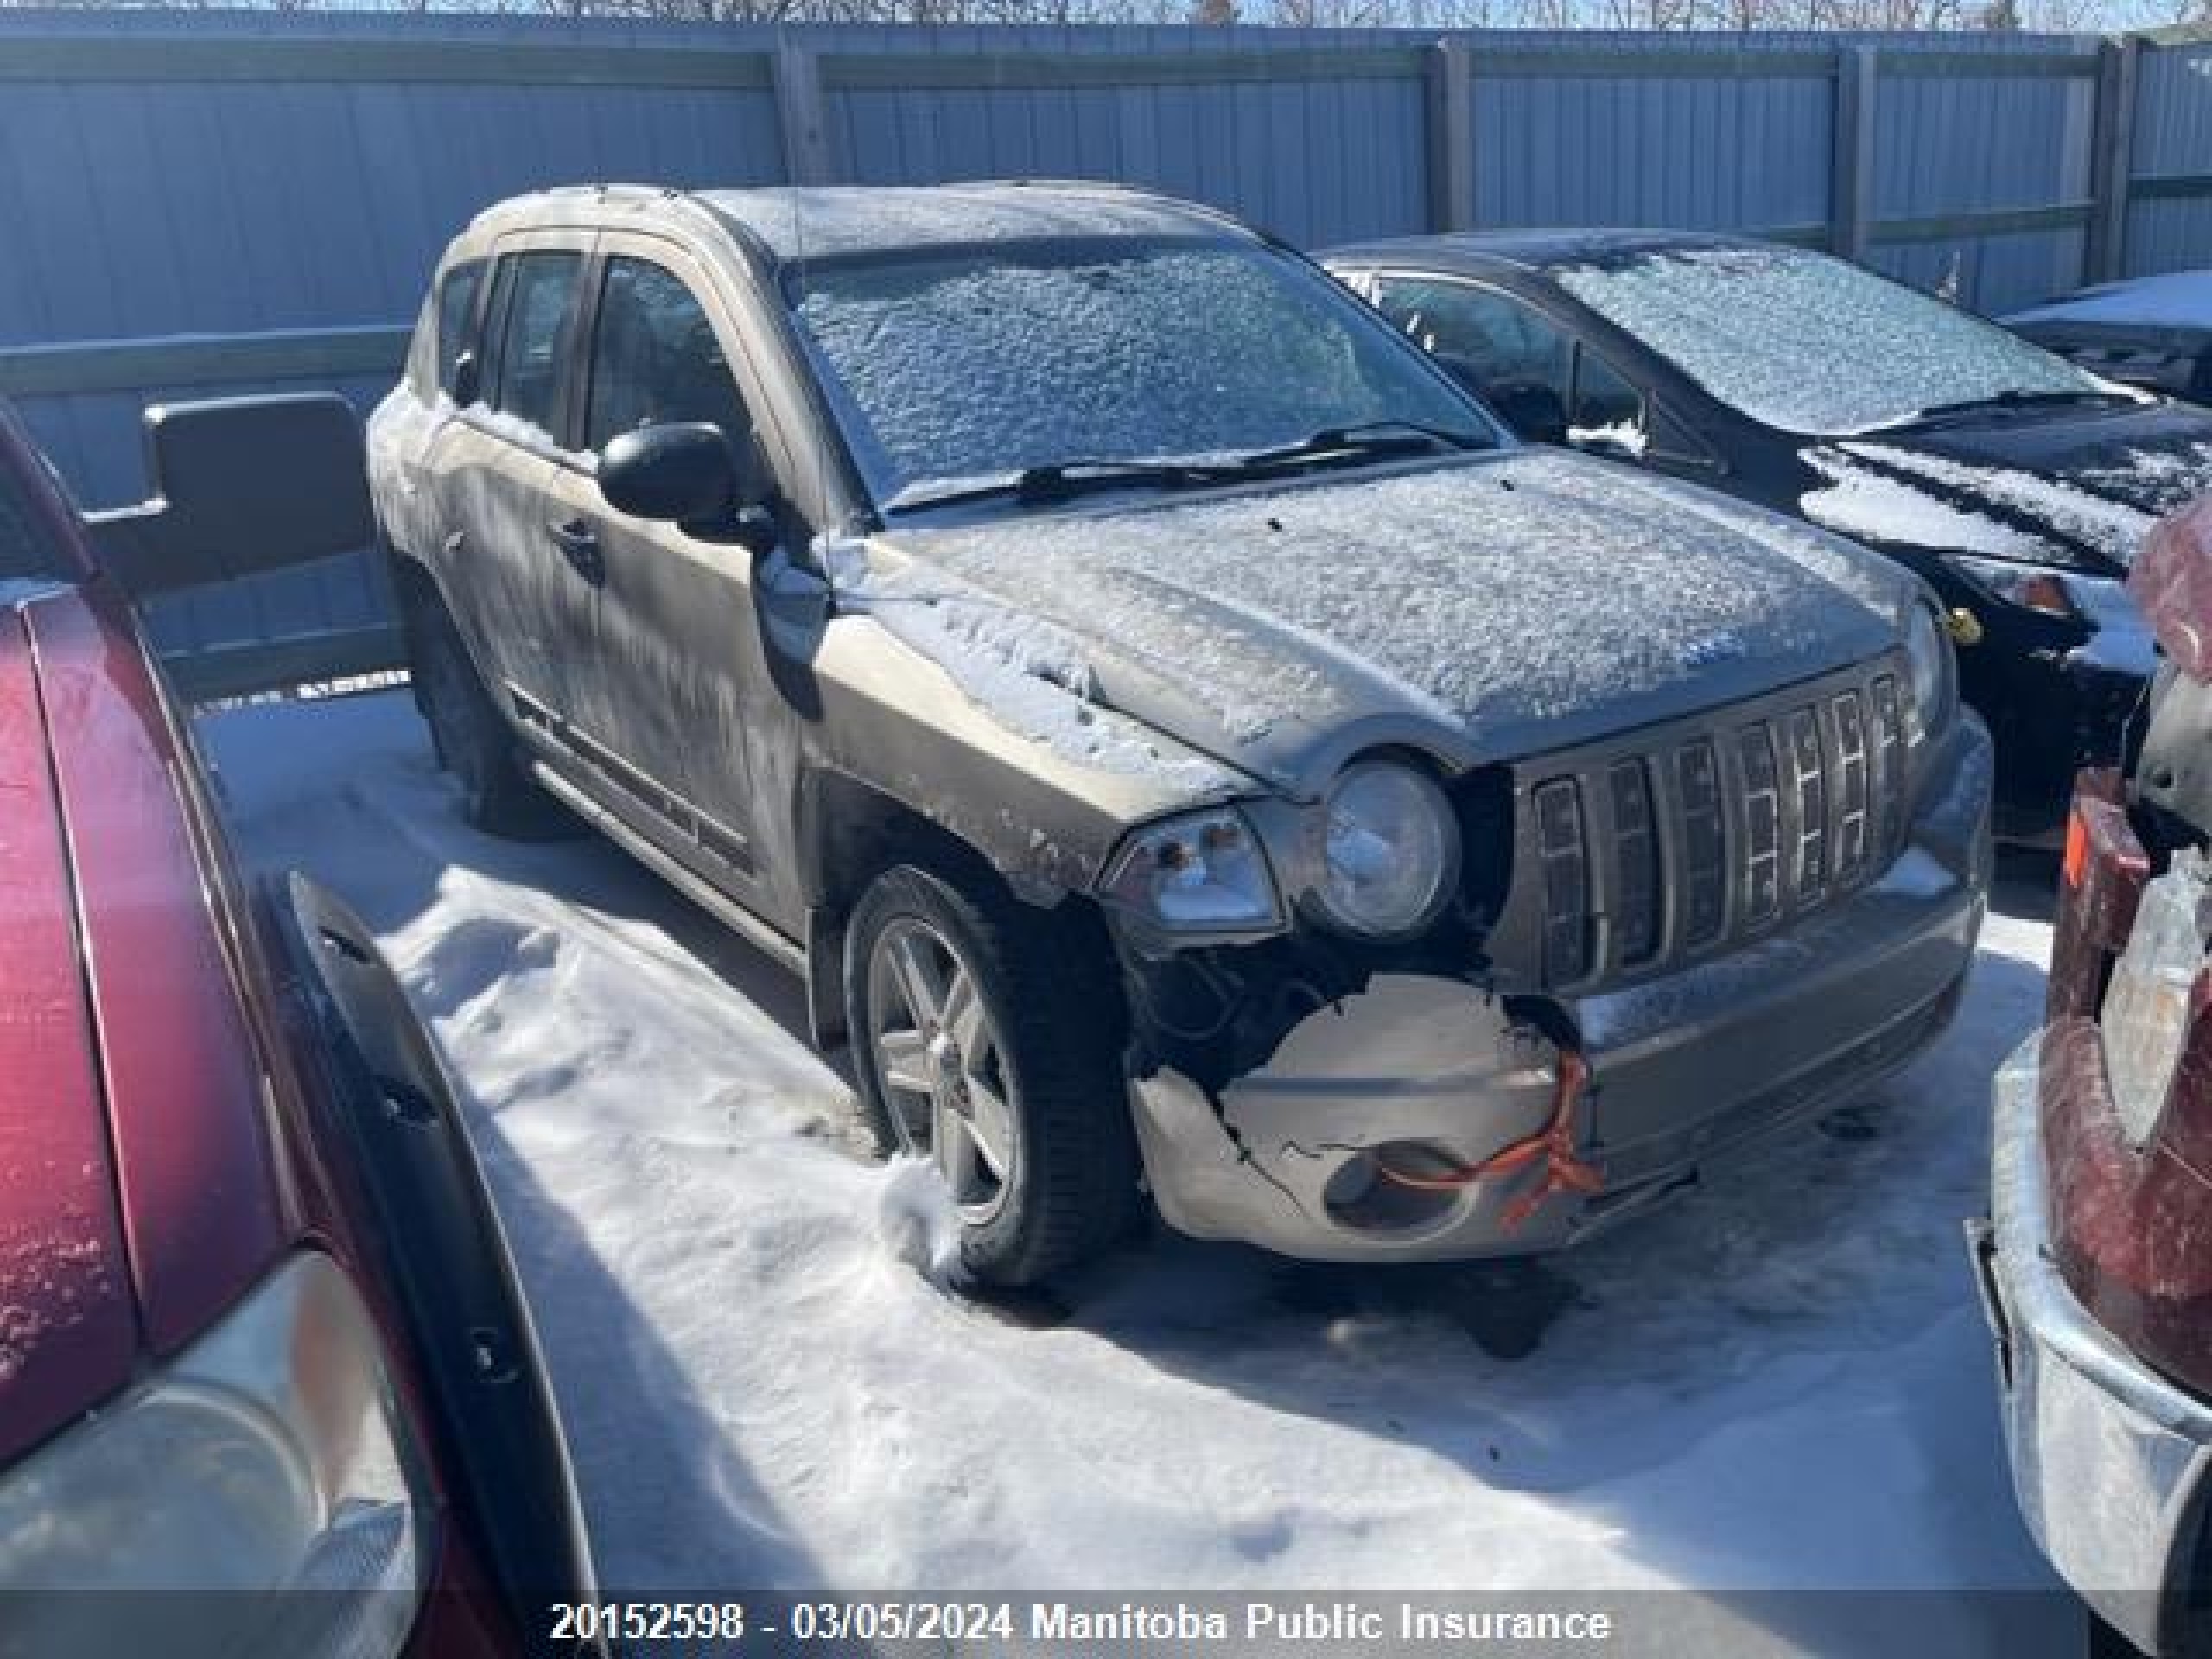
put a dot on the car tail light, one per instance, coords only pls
(2129, 1221)
(2156, 984)
(2103, 873)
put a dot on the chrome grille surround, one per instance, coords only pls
(1644, 852)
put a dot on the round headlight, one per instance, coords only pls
(1389, 853)
(1928, 657)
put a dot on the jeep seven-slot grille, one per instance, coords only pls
(1717, 830)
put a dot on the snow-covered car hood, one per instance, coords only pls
(1486, 610)
(2173, 299)
(2066, 490)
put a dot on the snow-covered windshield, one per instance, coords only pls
(1810, 344)
(952, 367)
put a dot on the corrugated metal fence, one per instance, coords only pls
(208, 203)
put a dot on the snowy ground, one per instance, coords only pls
(1782, 1382)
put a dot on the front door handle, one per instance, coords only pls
(578, 539)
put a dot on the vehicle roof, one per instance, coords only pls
(789, 223)
(1534, 249)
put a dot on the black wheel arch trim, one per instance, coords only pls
(436, 1239)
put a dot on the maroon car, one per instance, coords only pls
(2098, 1258)
(266, 1385)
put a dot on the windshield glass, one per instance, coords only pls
(949, 369)
(1810, 344)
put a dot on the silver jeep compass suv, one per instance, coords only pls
(1182, 739)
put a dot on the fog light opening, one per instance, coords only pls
(1369, 1191)
(1441, 1176)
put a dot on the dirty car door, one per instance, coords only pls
(680, 679)
(520, 596)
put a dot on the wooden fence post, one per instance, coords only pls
(797, 70)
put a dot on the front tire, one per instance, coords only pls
(983, 1043)
(472, 740)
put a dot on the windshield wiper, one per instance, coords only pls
(1062, 480)
(2011, 397)
(1366, 439)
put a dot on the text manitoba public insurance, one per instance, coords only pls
(1318, 1622)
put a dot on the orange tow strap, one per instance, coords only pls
(1565, 1170)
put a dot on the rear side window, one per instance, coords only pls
(534, 347)
(457, 291)
(655, 358)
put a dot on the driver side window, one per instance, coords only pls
(655, 358)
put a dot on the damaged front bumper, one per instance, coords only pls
(1426, 1076)
(2113, 1462)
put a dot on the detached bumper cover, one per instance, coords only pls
(2111, 1461)
(1431, 1072)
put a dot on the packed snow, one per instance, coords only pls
(1781, 1383)
(2176, 299)
(1807, 343)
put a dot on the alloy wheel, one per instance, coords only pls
(943, 1073)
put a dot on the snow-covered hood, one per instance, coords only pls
(1486, 610)
(2079, 491)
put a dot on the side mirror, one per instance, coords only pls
(467, 379)
(1533, 410)
(242, 486)
(682, 473)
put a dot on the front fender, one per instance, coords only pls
(1034, 778)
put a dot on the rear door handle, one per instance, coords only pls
(578, 539)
